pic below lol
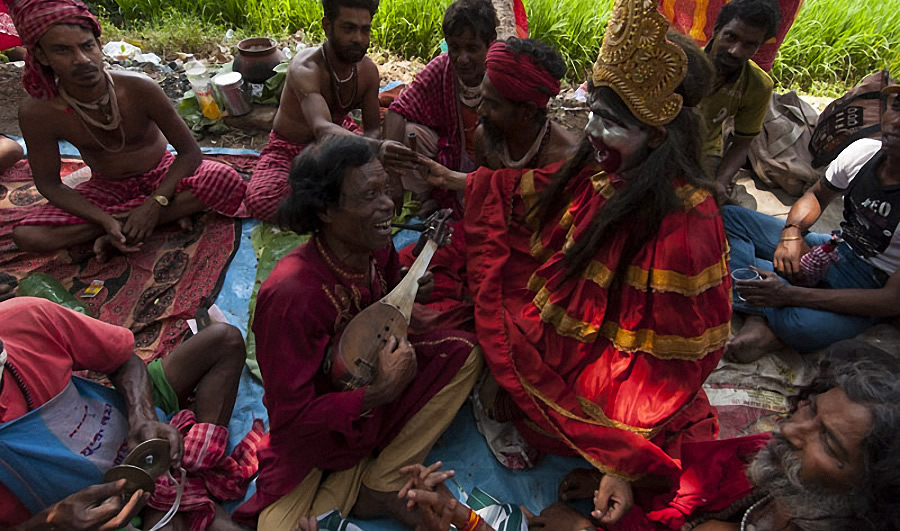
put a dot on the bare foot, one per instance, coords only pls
(374, 504)
(754, 341)
(186, 224)
(104, 248)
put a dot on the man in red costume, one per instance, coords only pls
(604, 347)
(330, 447)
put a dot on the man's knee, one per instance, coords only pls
(34, 238)
(230, 344)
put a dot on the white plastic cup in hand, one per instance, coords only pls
(743, 273)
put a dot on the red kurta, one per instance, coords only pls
(610, 369)
(305, 302)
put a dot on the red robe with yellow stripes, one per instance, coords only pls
(609, 369)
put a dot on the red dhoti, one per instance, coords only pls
(216, 185)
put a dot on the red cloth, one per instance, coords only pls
(609, 369)
(519, 78)
(430, 100)
(313, 425)
(521, 19)
(46, 343)
(32, 19)
(211, 473)
(697, 19)
(269, 183)
(714, 476)
(216, 185)
(9, 37)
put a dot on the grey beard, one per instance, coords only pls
(776, 470)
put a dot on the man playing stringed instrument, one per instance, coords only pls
(330, 447)
(323, 84)
(121, 123)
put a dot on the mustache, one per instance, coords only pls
(85, 70)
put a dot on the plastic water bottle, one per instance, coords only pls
(200, 83)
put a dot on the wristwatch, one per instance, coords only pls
(161, 199)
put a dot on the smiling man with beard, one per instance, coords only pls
(741, 89)
(323, 85)
(332, 447)
(120, 122)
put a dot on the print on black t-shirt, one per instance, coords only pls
(871, 211)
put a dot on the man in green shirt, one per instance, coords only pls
(741, 89)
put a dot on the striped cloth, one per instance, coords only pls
(216, 185)
(32, 19)
(211, 473)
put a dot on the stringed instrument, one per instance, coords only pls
(354, 353)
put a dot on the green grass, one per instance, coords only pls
(832, 45)
(836, 43)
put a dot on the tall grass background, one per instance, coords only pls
(832, 45)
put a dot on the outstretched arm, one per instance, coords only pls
(132, 381)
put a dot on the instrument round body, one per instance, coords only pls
(354, 360)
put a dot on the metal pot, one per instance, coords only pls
(256, 59)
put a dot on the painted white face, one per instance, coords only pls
(2, 360)
(620, 144)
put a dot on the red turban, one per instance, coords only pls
(519, 78)
(32, 19)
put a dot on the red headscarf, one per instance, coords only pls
(32, 19)
(519, 78)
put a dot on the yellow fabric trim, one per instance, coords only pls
(666, 281)
(536, 283)
(599, 274)
(691, 196)
(596, 415)
(603, 185)
(562, 436)
(596, 412)
(526, 188)
(565, 325)
(667, 347)
(697, 33)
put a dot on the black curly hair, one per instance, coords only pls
(332, 7)
(757, 13)
(544, 54)
(316, 178)
(476, 15)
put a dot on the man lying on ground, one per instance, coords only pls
(332, 447)
(88, 428)
(323, 85)
(120, 122)
(858, 291)
(441, 104)
(832, 464)
(741, 90)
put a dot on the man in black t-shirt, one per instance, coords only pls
(860, 289)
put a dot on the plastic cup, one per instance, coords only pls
(743, 273)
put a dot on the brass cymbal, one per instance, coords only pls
(135, 478)
(152, 456)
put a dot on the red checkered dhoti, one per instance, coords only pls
(269, 184)
(216, 185)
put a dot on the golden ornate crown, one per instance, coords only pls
(639, 63)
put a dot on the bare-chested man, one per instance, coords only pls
(323, 85)
(121, 123)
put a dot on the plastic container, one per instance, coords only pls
(200, 83)
(46, 287)
(230, 88)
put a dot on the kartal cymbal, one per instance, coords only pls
(151, 456)
(135, 478)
